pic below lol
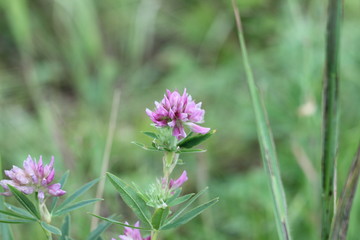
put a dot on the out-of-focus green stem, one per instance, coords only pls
(330, 116)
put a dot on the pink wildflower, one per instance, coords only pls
(35, 177)
(175, 110)
(178, 182)
(132, 234)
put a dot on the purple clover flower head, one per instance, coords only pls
(177, 110)
(174, 184)
(132, 234)
(35, 177)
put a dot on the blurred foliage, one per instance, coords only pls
(60, 61)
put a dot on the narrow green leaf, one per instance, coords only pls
(159, 217)
(131, 198)
(75, 206)
(75, 195)
(151, 134)
(341, 219)
(180, 200)
(12, 214)
(119, 223)
(174, 196)
(186, 138)
(190, 150)
(65, 228)
(330, 116)
(190, 215)
(143, 146)
(62, 181)
(5, 230)
(50, 228)
(25, 201)
(19, 211)
(95, 234)
(183, 208)
(195, 140)
(12, 221)
(266, 141)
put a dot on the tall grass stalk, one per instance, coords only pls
(106, 156)
(330, 116)
(341, 219)
(266, 141)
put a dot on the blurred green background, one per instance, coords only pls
(61, 60)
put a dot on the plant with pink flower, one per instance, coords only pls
(37, 177)
(156, 207)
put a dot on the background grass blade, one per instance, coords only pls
(106, 156)
(330, 116)
(266, 141)
(341, 219)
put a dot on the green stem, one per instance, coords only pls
(154, 235)
(330, 116)
(169, 162)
